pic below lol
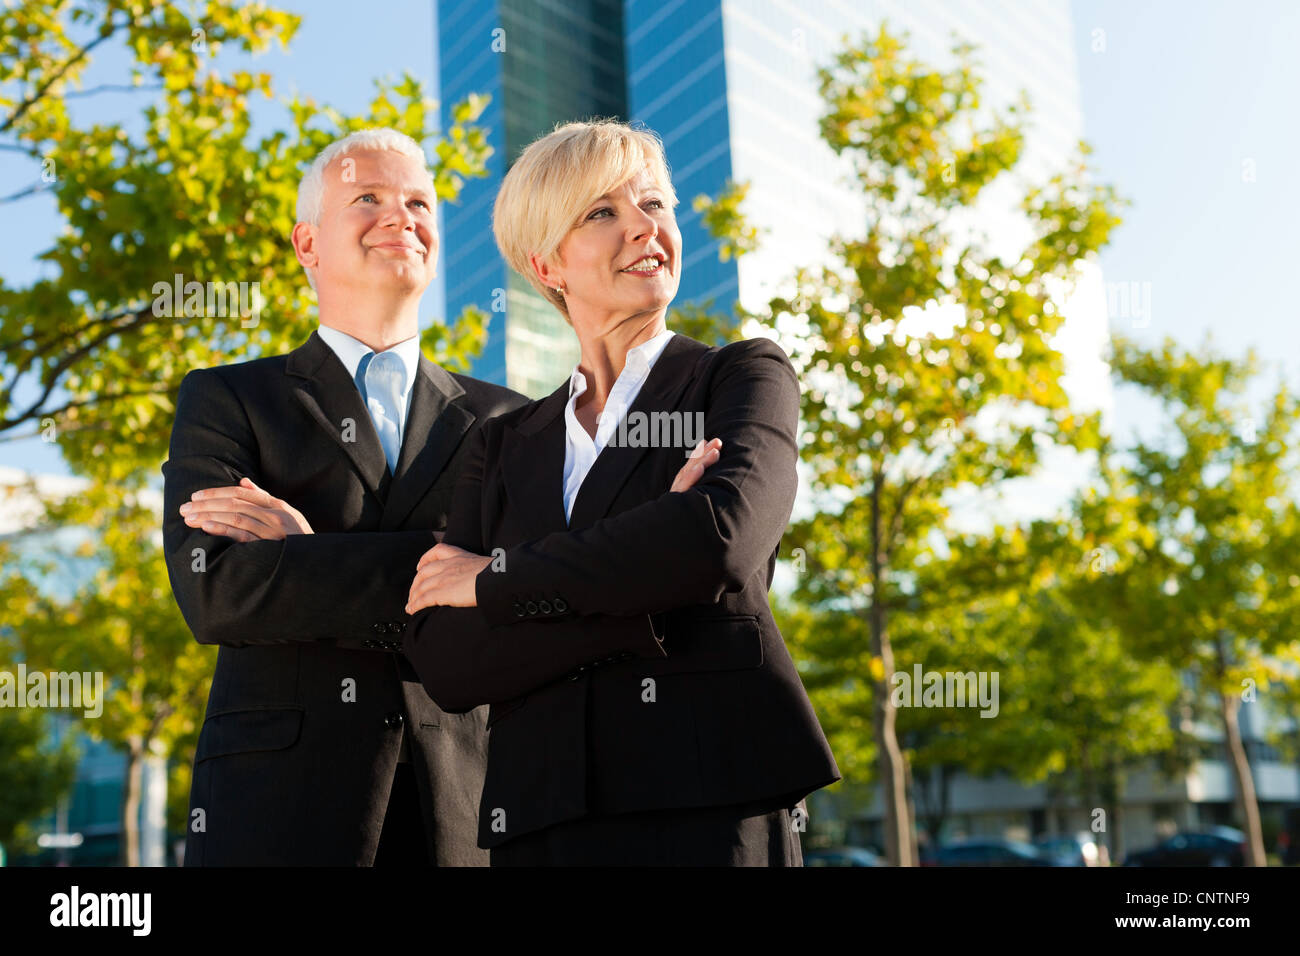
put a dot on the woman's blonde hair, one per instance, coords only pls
(560, 175)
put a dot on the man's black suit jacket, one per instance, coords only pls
(631, 661)
(311, 695)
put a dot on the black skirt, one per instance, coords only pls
(752, 834)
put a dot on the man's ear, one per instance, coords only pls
(304, 244)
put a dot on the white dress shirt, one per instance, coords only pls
(580, 450)
(350, 353)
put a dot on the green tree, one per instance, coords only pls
(1075, 711)
(35, 773)
(193, 195)
(1205, 577)
(119, 620)
(891, 416)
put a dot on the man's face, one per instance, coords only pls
(377, 228)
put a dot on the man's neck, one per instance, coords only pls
(379, 327)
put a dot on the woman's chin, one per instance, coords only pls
(651, 301)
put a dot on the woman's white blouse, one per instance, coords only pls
(580, 450)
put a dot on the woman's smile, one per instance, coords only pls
(651, 265)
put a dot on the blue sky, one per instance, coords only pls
(1187, 102)
(1190, 107)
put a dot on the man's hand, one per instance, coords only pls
(244, 512)
(701, 458)
(445, 578)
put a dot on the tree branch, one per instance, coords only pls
(26, 150)
(31, 190)
(896, 519)
(56, 371)
(112, 88)
(80, 55)
(45, 346)
(82, 403)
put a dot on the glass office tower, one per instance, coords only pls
(542, 63)
(731, 87)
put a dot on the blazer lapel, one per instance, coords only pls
(671, 373)
(434, 429)
(533, 467)
(332, 399)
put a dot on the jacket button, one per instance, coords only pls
(531, 607)
(380, 628)
(396, 628)
(394, 719)
(519, 609)
(560, 605)
(367, 643)
(545, 606)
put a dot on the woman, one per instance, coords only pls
(644, 708)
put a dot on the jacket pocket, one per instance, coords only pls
(727, 643)
(248, 731)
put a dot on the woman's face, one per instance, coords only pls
(622, 259)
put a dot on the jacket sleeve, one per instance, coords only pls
(346, 588)
(464, 661)
(687, 547)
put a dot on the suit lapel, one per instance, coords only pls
(614, 465)
(434, 429)
(533, 467)
(331, 398)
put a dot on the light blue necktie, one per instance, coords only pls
(382, 382)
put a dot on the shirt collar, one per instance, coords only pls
(350, 351)
(640, 359)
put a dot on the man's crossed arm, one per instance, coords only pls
(247, 568)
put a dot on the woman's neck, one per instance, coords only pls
(604, 354)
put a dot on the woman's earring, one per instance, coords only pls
(560, 289)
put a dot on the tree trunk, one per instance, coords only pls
(910, 790)
(1246, 801)
(1229, 704)
(130, 846)
(1111, 802)
(893, 777)
(935, 801)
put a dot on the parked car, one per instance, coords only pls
(985, 851)
(1081, 849)
(1214, 846)
(842, 856)
(1288, 841)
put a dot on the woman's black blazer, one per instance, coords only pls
(630, 659)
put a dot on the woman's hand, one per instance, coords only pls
(701, 458)
(445, 575)
(445, 578)
(244, 512)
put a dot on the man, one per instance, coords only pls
(301, 491)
